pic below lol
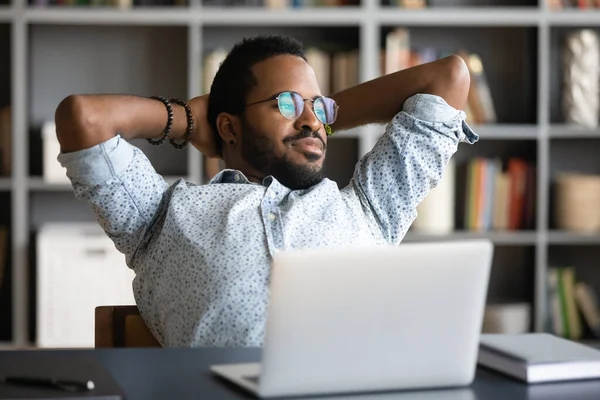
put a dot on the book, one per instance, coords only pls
(538, 357)
(557, 324)
(587, 302)
(570, 311)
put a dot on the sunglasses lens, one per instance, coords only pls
(290, 105)
(325, 110)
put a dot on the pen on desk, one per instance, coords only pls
(62, 384)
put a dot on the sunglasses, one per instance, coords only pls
(291, 106)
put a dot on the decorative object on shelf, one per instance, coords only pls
(169, 124)
(577, 205)
(436, 211)
(510, 318)
(52, 171)
(190, 125)
(581, 79)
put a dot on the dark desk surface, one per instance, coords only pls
(181, 374)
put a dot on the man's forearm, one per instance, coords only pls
(378, 100)
(83, 121)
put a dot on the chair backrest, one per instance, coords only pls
(122, 326)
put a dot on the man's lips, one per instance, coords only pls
(311, 144)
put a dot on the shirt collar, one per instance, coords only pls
(229, 176)
(236, 176)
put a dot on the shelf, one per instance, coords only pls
(342, 16)
(565, 238)
(460, 16)
(37, 184)
(318, 16)
(499, 238)
(209, 16)
(501, 132)
(330, 16)
(573, 132)
(85, 16)
(574, 18)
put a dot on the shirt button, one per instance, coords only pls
(273, 195)
(272, 217)
(236, 178)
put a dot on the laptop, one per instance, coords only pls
(369, 319)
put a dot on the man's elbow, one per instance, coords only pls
(453, 81)
(460, 79)
(69, 120)
(68, 112)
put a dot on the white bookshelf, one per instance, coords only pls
(44, 41)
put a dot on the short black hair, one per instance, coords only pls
(234, 78)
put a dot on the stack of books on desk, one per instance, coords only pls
(539, 357)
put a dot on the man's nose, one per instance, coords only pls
(308, 119)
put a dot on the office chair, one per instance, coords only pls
(121, 326)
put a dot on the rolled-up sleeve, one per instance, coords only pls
(408, 161)
(122, 188)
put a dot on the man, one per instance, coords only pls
(201, 253)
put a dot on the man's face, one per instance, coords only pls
(292, 151)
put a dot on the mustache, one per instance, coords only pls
(305, 133)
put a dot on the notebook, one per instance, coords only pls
(538, 357)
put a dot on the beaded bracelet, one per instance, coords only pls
(169, 121)
(190, 124)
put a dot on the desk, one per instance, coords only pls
(181, 374)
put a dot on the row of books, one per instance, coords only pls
(500, 197)
(399, 54)
(580, 4)
(569, 301)
(109, 3)
(125, 4)
(408, 4)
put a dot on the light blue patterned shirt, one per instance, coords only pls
(201, 253)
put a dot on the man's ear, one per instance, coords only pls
(229, 128)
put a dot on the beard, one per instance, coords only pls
(258, 150)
